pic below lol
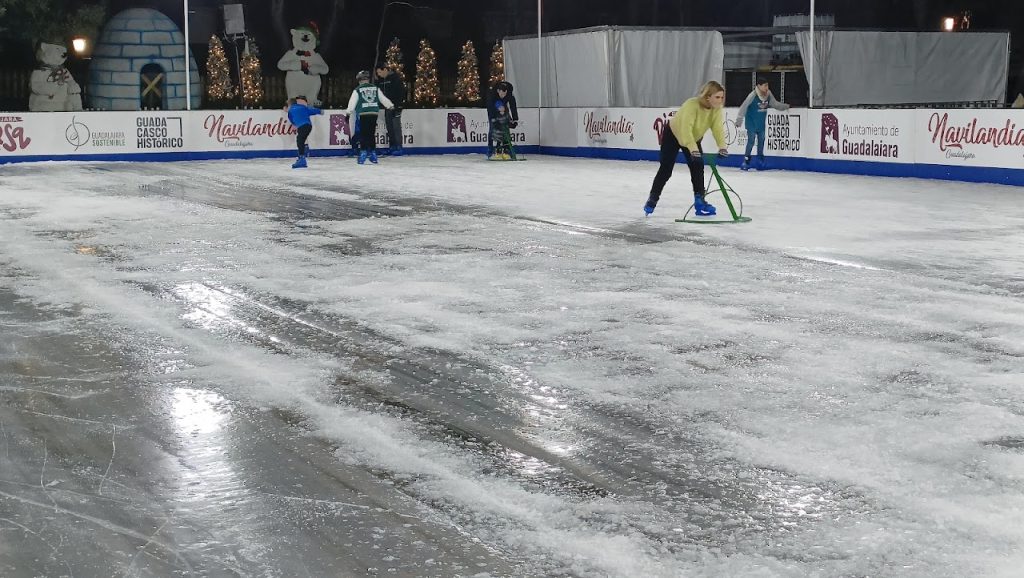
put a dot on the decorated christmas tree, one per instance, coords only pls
(497, 64)
(467, 87)
(393, 58)
(251, 75)
(218, 76)
(427, 89)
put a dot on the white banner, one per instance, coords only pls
(973, 138)
(785, 133)
(243, 130)
(620, 128)
(102, 133)
(68, 133)
(958, 137)
(643, 128)
(861, 135)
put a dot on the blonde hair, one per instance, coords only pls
(711, 88)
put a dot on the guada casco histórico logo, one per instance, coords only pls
(159, 132)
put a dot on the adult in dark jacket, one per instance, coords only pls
(502, 92)
(390, 83)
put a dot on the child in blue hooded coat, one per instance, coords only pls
(500, 123)
(754, 111)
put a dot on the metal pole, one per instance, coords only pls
(810, 70)
(188, 74)
(380, 31)
(540, 68)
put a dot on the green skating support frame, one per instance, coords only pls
(512, 153)
(711, 160)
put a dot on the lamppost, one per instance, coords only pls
(188, 73)
(540, 68)
(810, 69)
(77, 66)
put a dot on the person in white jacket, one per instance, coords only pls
(365, 103)
(754, 111)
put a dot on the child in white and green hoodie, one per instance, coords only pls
(365, 103)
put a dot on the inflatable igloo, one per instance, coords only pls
(139, 62)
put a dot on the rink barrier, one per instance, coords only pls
(213, 156)
(962, 144)
(1013, 177)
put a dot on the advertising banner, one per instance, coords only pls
(971, 138)
(240, 130)
(643, 129)
(427, 128)
(66, 133)
(621, 128)
(783, 137)
(862, 135)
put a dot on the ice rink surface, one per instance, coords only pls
(441, 366)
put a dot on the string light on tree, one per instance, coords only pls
(251, 75)
(393, 58)
(497, 64)
(427, 88)
(218, 76)
(467, 87)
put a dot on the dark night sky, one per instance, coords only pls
(449, 23)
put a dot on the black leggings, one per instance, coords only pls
(300, 138)
(368, 132)
(669, 151)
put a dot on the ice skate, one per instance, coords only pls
(701, 207)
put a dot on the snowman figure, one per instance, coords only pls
(53, 87)
(303, 65)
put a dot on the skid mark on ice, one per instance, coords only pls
(449, 406)
(105, 524)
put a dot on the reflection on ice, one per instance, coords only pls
(212, 308)
(209, 307)
(198, 412)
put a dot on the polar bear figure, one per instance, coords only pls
(303, 65)
(53, 87)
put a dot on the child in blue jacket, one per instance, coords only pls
(500, 132)
(754, 111)
(299, 112)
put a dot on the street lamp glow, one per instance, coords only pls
(948, 24)
(78, 43)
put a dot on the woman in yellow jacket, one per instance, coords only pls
(685, 131)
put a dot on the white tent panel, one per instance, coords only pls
(878, 68)
(663, 68)
(613, 67)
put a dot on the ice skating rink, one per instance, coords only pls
(441, 366)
